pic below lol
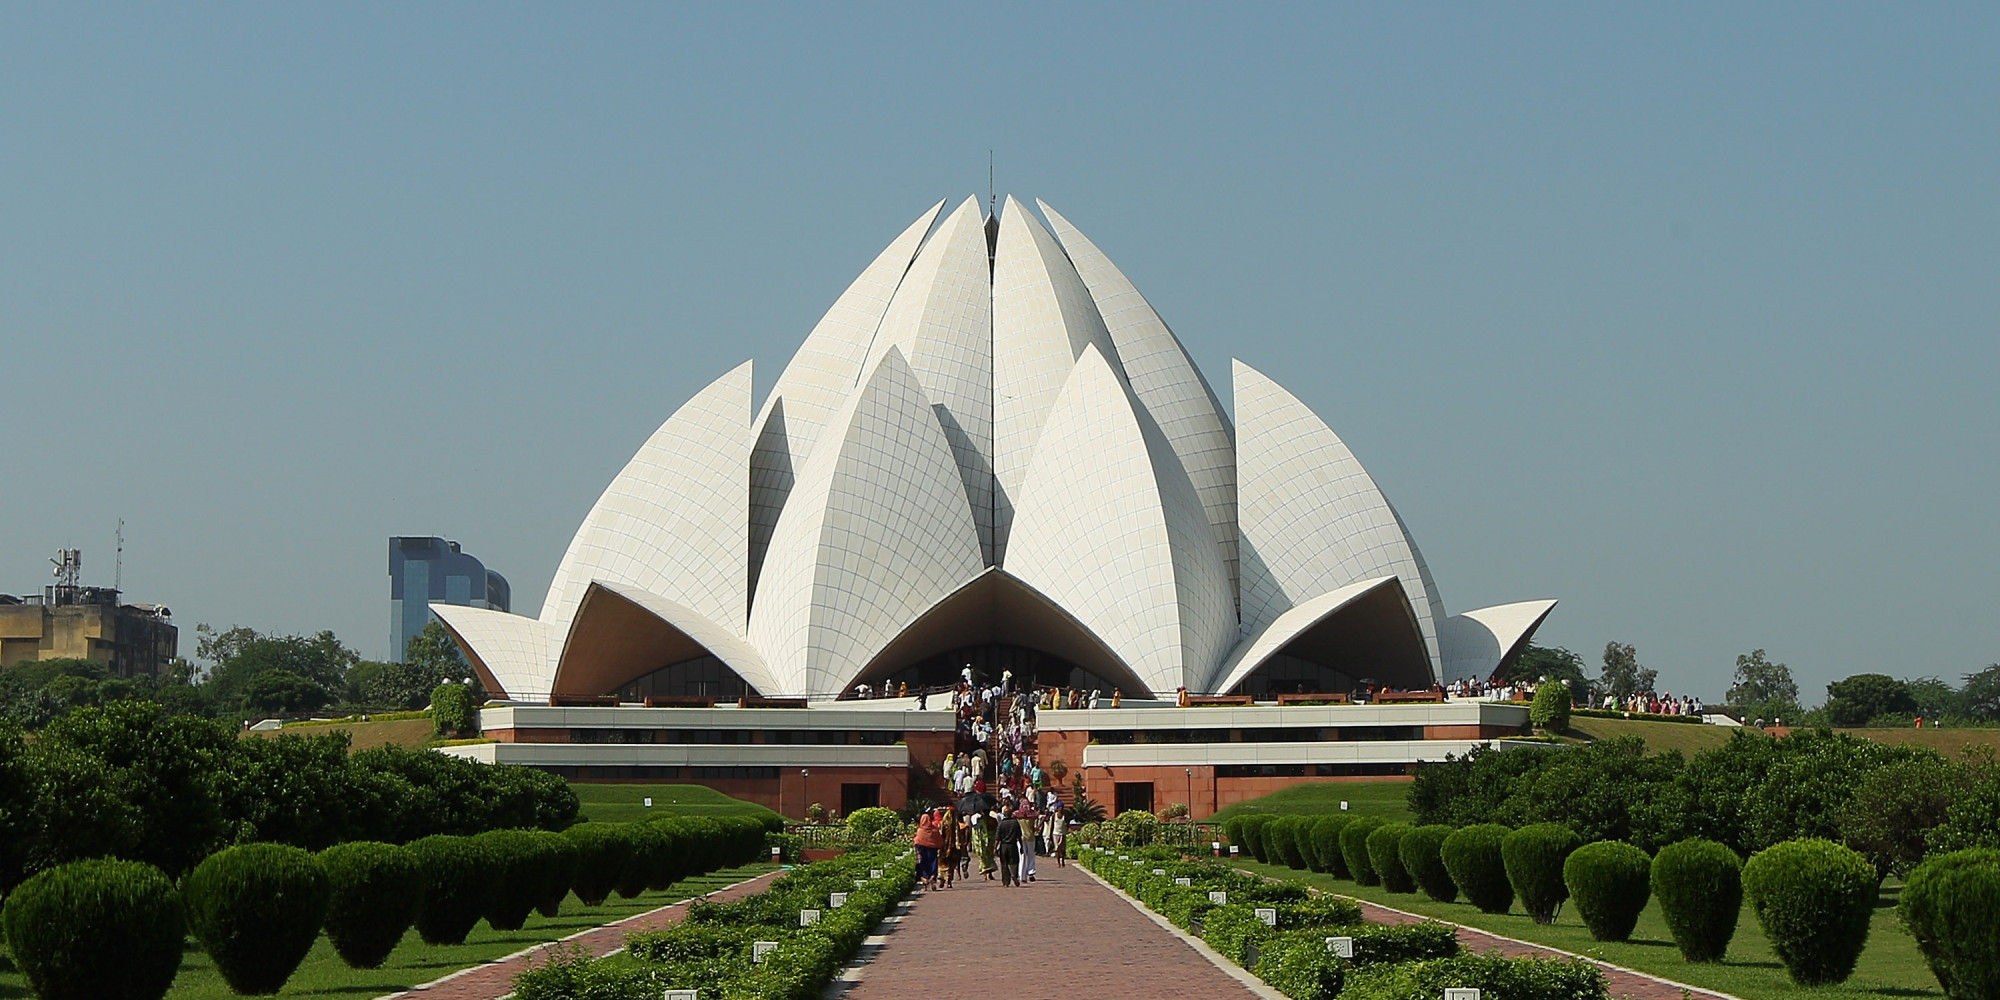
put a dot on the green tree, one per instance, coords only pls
(1895, 807)
(1863, 698)
(1980, 698)
(1762, 689)
(241, 655)
(1554, 663)
(278, 692)
(1623, 676)
(1935, 697)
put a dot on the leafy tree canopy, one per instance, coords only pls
(1623, 676)
(1864, 697)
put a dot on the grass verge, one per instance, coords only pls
(323, 975)
(1387, 799)
(622, 803)
(1890, 965)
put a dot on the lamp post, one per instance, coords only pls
(805, 795)
(1190, 791)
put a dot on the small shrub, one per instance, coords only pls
(602, 851)
(96, 930)
(1231, 929)
(1534, 857)
(1283, 841)
(1375, 943)
(873, 823)
(1299, 965)
(1472, 855)
(514, 877)
(1136, 827)
(452, 712)
(1385, 853)
(256, 909)
(1317, 911)
(1551, 708)
(1509, 978)
(645, 842)
(1422, 852)
(1252, 828)
(1813, 898)
(1326, 844)
(457, 879)
(558, 861)
(373, 891)
(1354, 848)
(1699, 884)
(1951, 905)
(1611, 881)
(1232, 830)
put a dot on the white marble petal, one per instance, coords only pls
(1474, 642)
(877, 531)
(512, 649)
(1109, 526)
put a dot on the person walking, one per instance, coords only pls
(952, 846)
(982, 843)
(928, 840)
(1007, 847)
(1025, 817)
(1058, 833)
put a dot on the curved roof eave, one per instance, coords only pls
(1475, 643)
(1255, 649)
(508, 651)
(700, 630)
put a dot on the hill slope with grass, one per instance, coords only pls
(1387, 799)
(624, 803)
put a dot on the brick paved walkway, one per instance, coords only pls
(1063, 936)
(1623, 982)
(496, 978)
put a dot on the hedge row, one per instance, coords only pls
(1293, 956)
(1813, 898)
(256, 909)
(714, 949)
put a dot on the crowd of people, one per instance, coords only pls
(1654, 703)
(949, 839)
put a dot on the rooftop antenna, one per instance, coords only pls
(118, 566)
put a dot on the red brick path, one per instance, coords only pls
(496, 978)
(1061, 937)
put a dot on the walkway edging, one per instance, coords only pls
(531, 949)
(1215, 958)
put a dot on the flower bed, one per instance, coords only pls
(715, 949)
(1288, 948)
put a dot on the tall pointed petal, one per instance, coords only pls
(1311, 518)
(671, 522)
(1043, 319)
(1364, 630)
(1110, 528)
(819, 379)
(1165, 380)
(877, 531)
(942, 321)
(622, 633)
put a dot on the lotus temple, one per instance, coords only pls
(990, 455)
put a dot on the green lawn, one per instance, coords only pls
(1687, 737)
(1388, 799)
(624, 803)
(1890, 966)
(323, 975)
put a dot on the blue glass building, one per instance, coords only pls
(426, 570)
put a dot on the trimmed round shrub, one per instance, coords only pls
(515, 882)
(1253, 834)
(1534, 857)
(602, 850)
(1385, 846)
(1472, 856)
(373, 891)
(1422, 852)
(1551, 708)
(96, 930)
(1326, 844)
(1951, 904)
(872, 823)
(256, 909)
(458, 876)
(1283, 833)
(1611, 881)
(1813, 898)
(706, 840)
(1232, 830)
(1354, 848)
(647, 841)
(559, 859)
(1699, 884)
(673, 843)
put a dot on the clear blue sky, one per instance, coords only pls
(1687, 315)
